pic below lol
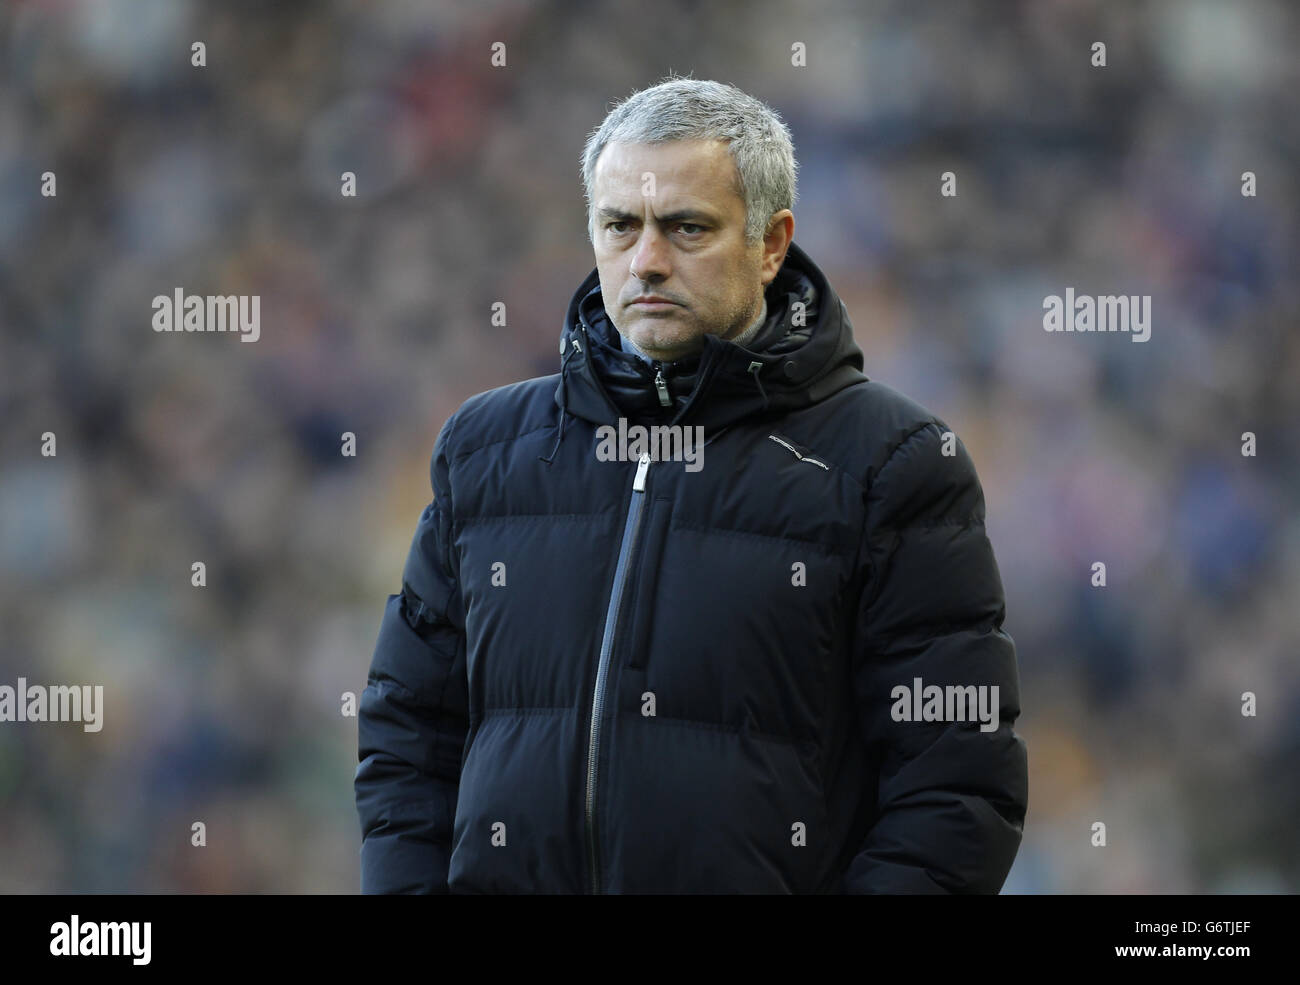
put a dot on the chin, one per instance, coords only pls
(658, 345)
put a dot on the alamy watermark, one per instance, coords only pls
(57, 703)
(214, 313)
(953, 703)
(102, 939)
(1107, 313)
(663, 443)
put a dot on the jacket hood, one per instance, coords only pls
(804, 352)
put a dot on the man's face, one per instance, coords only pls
(670, 223)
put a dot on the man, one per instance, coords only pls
(609, 671)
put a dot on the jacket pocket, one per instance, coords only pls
(515, 821)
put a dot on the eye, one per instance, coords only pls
(610, 226)
(683, 227)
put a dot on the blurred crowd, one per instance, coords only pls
(224, 702)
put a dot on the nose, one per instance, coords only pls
(650, 259)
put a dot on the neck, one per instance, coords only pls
(745, 337)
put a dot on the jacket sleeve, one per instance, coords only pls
(413, 716)
(951, 799)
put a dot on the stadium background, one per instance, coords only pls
(223, 703)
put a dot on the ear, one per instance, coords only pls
(776, 242)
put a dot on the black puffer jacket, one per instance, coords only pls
(612, 676)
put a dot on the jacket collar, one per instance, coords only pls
(804, 352)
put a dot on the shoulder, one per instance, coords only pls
(888, 415)
(867, 425)
(500, 414)
(912, 458)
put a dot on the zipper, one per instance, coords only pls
(664, 399)
(631, 528)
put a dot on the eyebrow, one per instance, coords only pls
(681, 215)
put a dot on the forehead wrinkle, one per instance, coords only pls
(622, 182)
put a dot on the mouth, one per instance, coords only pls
(653, 304)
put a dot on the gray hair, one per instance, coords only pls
(697, 109)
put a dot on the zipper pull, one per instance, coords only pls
(662, 387)
(642, 467)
